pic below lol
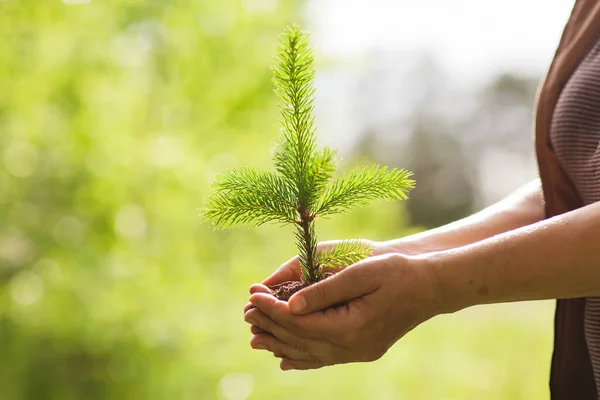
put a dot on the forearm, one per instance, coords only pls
(523, 207)
(554, 258)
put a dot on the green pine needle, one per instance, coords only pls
(245, 196)
(306, 242)
(347, 252)
(293, 78)
(360, 187)
(302, 187)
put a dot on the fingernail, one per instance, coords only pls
(298, 305)
(260, 347)
(286, 367)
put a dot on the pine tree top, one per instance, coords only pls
(302, 187)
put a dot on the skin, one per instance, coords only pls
(507, 252)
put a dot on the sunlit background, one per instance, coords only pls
(114, 118)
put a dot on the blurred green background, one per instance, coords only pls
(114, 118)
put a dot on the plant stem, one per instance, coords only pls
(310, 246)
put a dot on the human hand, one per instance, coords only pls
(355, 315)
(290, 270)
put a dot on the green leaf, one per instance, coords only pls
(245, 196)
(345, 253)
(360, 187)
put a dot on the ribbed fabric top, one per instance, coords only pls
(575, 137)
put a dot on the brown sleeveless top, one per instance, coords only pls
(575, 137)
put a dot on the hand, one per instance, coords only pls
(355, 315)
(290, 270)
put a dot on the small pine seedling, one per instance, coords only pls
(302, 187)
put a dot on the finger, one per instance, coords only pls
(259, 288)
(288, 271)
(289, 364)
(353, 282)
(248, 306)
(315, 347)
(255, 330)
(280, 349)
(256, 288)
(318, 326)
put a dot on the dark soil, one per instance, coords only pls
(283, 291)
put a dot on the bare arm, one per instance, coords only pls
(522, 208)
(552, 259)
(386, 296)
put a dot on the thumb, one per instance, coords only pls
(288, 271)
(354, 281)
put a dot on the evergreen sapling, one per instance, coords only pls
(302, 187)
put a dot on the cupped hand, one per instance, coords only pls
(290, 270)
(355, 315)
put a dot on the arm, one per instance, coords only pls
(386, 296)
(551, 259)
(523, 207)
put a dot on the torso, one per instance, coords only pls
(575, 137)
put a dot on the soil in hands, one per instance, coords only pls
(283, 291)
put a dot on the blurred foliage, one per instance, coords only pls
(114, 118)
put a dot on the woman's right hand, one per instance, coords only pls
(353, 316)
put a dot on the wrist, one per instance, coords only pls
(453, 286)
(418, 273)
(413, 245)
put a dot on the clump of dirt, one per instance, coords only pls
(283, 291)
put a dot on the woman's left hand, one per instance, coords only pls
(355, 315)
